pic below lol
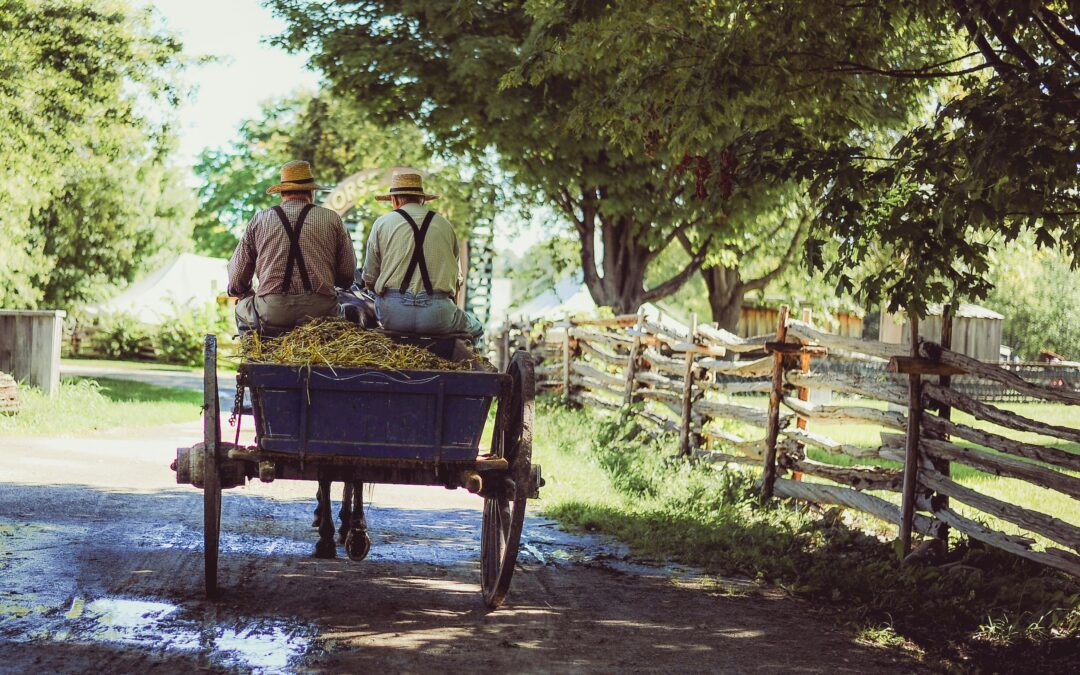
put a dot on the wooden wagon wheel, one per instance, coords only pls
(211, 477)
(504, 507)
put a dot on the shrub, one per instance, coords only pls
(180, 339)
(120, 336)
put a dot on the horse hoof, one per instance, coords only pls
(325, 549)
(357, 544)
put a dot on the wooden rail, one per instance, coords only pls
(691, 381)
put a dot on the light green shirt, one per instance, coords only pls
(390, 248)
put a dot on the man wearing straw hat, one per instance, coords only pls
(412, 265)
(299, 251)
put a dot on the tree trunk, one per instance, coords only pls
(625, 260)
(726, 290)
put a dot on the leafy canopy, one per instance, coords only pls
(89, 193)
(440, 64)
(339, 140)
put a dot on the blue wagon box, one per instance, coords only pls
(423, 415)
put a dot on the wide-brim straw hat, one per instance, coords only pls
(406, 184)
(296, 175)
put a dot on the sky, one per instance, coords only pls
(250, 70)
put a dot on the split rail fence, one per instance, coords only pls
(700, 383)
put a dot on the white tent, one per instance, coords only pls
(569, 297)
(187, 281)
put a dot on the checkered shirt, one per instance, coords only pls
(264, 249)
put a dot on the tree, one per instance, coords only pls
(705, 79)
(998, 157)
(995, 157)
(339, 140)
(89, 193)
(1038, 293)
(439, 64)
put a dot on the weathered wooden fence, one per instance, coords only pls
(691, 380)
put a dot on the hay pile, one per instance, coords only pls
(336, 342)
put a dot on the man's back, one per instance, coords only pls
(324, 245)
(392, 243)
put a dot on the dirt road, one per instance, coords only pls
(101, 569)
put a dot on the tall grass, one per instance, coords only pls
(983, 606)
(85, 405)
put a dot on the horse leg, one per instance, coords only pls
(318, 500)
(325, 548)
(345, 513)
(357, 542)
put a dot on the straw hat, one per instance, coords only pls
(406, 184)
(296, 175)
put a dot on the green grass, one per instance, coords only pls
(129, 365)
(986, 608)
(1011, 490)
(224, 364)
(86, 405)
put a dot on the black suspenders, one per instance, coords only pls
(296, 256)
(419, 234)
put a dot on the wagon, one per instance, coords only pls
(361, 425)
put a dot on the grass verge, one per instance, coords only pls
(983, 610)
(100, 404)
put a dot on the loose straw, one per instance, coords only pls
(336, 342)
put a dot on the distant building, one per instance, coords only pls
(976, 330)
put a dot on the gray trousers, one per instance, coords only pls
(424, 314)
(282, 312)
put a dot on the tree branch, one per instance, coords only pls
(1054, 22)
(852, 67)
(587, 231)
(1051, 38)
(676, 282)
(566, 202)
(789, 256)
(767, 238)
(679, 231)
(1008, 41)
(989, 53)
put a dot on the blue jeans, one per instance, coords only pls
(424, 314)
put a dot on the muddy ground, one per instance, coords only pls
(101, 571)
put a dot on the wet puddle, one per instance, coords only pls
(259, 645)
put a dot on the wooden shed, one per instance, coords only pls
(761, 320)
(30, 346)
(976, 330)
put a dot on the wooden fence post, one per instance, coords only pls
(566, 362)
(688, 392)
(911, 457)
(776, 394)
(804, 393)
(632, 362)
(943, 466)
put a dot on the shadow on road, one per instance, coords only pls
(112, 580)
